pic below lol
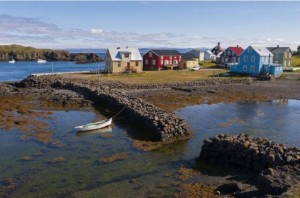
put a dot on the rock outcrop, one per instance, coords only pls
(245, 152)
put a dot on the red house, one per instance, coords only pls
(158, 59)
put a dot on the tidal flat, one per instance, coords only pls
(95, 164)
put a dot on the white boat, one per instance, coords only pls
(41, 61)
(102, 131)
(12, 61)
(94, 125)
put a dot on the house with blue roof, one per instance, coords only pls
(256, 61)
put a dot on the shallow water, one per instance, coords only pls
(143, 173)
(20, 70)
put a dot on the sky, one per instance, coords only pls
(182, 24)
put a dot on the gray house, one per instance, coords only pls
(282, 55)
(199, 54)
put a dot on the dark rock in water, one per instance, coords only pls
(231, 188)
(274, 168)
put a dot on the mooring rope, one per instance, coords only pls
(118, 113)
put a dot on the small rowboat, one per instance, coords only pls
(94, 125)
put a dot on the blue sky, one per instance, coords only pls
(149, 24)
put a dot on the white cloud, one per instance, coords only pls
(37, 33)
(96, 31)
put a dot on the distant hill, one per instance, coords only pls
(24, 53)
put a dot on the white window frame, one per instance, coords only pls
(150, 54)
(252, 68)
(162, 57)
(146, 61)
(161, 61)
(252, 59)
(166, 62)
(249, 49)
(153, 62)
(245, 58)
(244, 67)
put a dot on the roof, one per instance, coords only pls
(115, 53)
(237, 50)
(278, 50)
(166, 52)
(209, 52)
(189, 56)
(262, 51)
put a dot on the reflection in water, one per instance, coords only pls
(76, 164)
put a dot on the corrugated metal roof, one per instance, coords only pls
(262, 51)
(278, 50)
(166, 52)
(116, 54)
(189, 56)
(237, 50)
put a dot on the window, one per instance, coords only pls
(276, 62)
(150, 54)
(126, 55)
(228, 53)
(170, 61)
(119, 64)
(162, 57)
(137, 64)
(289, 63)
(153, 62)
(286, 55)
(252, 59)
(249, 49)
(245, 68)
(233, 60)
(276, 55)
(166, 62)
(245, 58)
(175, 62)
(226, 60)
(252, 68)
(161, 62)
(170, 57)
(223, 60)
(146, 61)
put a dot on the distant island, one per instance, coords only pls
(23, 53)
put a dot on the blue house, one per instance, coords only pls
(255, 61)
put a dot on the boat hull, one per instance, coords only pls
(95, 125)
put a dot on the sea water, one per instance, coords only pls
(142, 173)
(21, 70)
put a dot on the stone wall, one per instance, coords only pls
(245, 152)
(162, 126)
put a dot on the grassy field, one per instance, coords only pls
(157, 77)
(207, 63)
(296, 60)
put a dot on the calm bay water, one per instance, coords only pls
(20, 70)
(143, 173)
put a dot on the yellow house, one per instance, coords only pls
(189, 60)
(120, 60)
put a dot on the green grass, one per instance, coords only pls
(295, 60)
(208, 63)
(156, 77)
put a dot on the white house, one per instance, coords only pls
(208, 55)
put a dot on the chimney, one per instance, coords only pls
(237, 45)
(219, 45)
(126, 46)
(277, 46)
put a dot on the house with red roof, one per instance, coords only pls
(230, 56)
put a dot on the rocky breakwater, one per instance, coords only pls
(262, 168)
(245, 152)
(161, 125)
